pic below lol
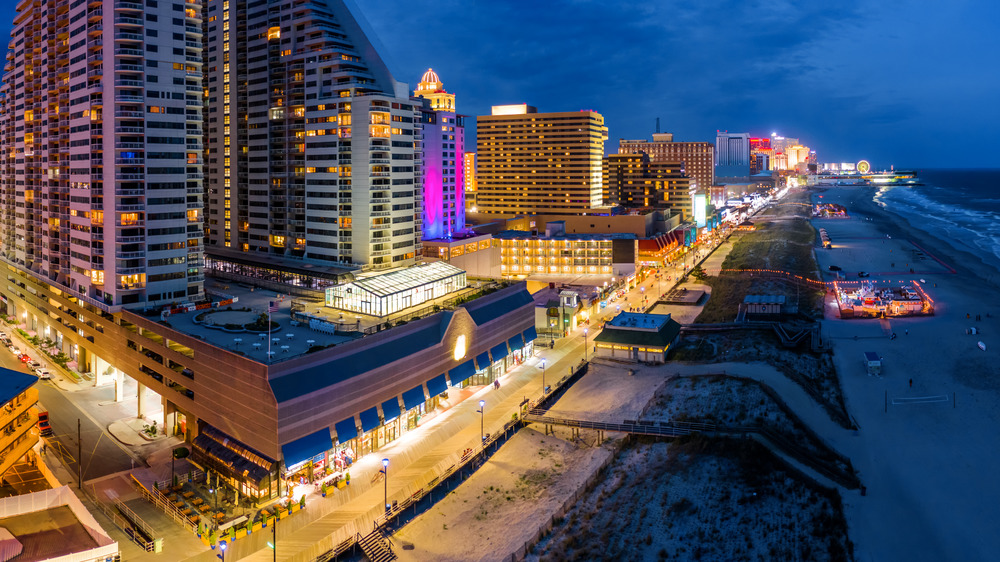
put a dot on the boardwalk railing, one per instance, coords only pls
(157, 498)
(681, 428)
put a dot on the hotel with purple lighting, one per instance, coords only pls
(442, 145)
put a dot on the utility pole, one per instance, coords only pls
(79, 452)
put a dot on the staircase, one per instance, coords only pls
(376, 547)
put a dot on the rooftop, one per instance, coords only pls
(639, 321)
(315, 327)
(397, 281)
(63, 528)
(527, 235)
(13, 383)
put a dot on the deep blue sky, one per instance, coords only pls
(913, 83)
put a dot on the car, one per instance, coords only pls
(34, 365)
(835, 268)
(43, 374)
(14, 350)
(24, 357)
(863, 274)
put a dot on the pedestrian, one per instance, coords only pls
(911, 383)
(906, 331)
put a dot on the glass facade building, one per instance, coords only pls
(385, 294)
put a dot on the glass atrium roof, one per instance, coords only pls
(410, 278)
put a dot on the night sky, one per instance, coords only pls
(910, 83)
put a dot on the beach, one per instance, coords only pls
(926, 448)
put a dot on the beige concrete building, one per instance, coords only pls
(545, 163)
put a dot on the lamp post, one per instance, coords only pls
(273, 543)
(543, 376)
(385, 473)
(222, 546)
(482, 420)
(585, 345)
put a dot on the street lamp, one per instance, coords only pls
(543, 376)
(585, 345)
(482, 422)
(222, 546)
(385, 479)
(273, 543)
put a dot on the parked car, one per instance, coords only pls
(24, 357)
(14, 350)
(835, 268)
(43, 374)
(34, 365)
(5, 339)
(862, 274)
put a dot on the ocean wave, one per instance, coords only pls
(963, 228)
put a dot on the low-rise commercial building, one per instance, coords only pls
(18, 419)
(243, 403)
(632, 336)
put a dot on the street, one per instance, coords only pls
(102, 455)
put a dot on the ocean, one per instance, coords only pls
(958, 207)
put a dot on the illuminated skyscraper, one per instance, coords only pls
(102, 150)
(471, 185)
(310, 140)
(442, 144)
(697, 158)
(545, 163)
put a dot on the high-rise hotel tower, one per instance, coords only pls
(544, 163)
(102, 149)
(310, 140)
(442, 145)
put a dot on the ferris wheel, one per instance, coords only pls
(864, 167)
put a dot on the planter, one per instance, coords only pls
(341, 483)
(257, 526)
(295, 507)
(240, 533)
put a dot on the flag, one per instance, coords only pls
(272, 306)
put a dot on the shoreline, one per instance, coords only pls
(965, 263)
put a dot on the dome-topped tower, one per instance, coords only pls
(431, 87)
(430, 77)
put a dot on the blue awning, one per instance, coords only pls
(413, 397)
(530, 334)
(515, 343)
(460, 373)
(483, 360)
(390, 409)
(305, 448)
(499, 351)
(369, 420)
(346, 430)
(437, 385)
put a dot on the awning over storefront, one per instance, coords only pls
(214, 450)
(515, 343)
(305, 448)
(530, 334)
(482, 360)
(390, 409)
(499, 351)
(346, 430)
(460, 373)
(438, 385)
(369, 419)
(413, 397)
